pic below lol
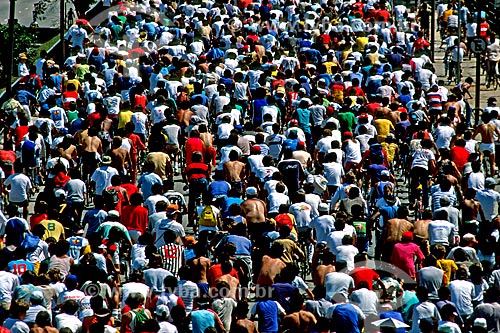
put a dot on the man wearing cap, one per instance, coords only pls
(170, 223)
(36, 306)
(489, 198)
(254, 210)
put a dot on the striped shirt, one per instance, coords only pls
(173, 257)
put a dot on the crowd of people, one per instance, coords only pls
(237, 166)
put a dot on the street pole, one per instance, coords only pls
(433, 28)
(10, 55)
(478, 65)
(62, 25)
(459, 74)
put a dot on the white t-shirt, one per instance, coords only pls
(323, 225)
(158, 114)
(16, 326)
(8, 282)
(333, 173)
(276, 199)
(462, 293)
(72, 322)
(102, 178)
(338, 282)
(444, 135)
(20, 185)
(347, 253)
(134, 287)
(302, 213)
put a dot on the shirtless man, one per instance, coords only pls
(92, 150)
(200, 267)
(253, 209)
(298, 321)
(393, 231)
(119, 156)
(327, 264)
(234, 170)
(420, 231)
(270, 268)
(470, 207)
(208, 144)
(488, 131)
(242, 324)
(233, 282)
(184, 114)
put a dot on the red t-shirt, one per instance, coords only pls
(37, 218)
(19, 133)
(192, 145)
(365, 274)
(196, 171)
(370, 107)
(130, 188)
(135, 218)
(215, 272)
(460, 156)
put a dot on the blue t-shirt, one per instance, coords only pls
(243, 244)
(94, 218)
(202, 319)
(304, 116)
(283, 293)
(218, 188)
(19, 267)
(227, 203)
(268, 316)
(346, 319)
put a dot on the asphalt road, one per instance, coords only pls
(24, 12)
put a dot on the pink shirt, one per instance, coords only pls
(402, 257)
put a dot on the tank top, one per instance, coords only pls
(63, 264)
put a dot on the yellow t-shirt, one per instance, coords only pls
(124, 117)
(52, 229)
(448, 266)
(383, 127)
(390, 149)
(361, 42)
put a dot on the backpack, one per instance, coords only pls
(30, 242)
(111, 198)
(138, 319)
(28, 154)
(207, 217)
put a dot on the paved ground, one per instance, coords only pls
(24, 12)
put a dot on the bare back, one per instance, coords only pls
(254, 210)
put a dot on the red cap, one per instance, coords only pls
(407, 235)
(330, 110)
(363, 116)
(347, 134)
(256, 149)
(301, 144)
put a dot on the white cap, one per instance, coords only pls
(323, 207)
(251, 191)
(162, 311)
(114, 213)
(480, 322)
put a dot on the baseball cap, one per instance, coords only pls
(106, 160)
(256, 149)
(302, 91)
(71, 278)
(172, 209)
(469, 237)
(489, 181)
(385, 173)
(480, 322)
(323, 207)
(348, 134)
(162, 311)
(407, 235)
(251, 191)
(113, 213)
(37, 295)
(301, 144)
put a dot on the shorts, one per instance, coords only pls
(172, 149)
(203, 287)
(22, 204)
(134, 235)
(489, 147)
(90, 157)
